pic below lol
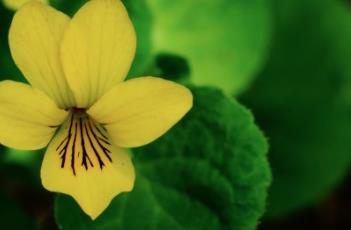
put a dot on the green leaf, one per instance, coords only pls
(12, 216)
(6, 16)
(225, 41)
(299, 101)
(141, 17)
(8, 69)
(21, 162)
(21, 157)
(67, 6)
(209, 172)
(172, 67)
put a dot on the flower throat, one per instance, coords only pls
(85, 144)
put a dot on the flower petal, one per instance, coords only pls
(34, 37)
(81, 162)
(97, 49)
(16, 4)
(138, 111)
(28, 118)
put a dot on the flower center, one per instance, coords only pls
(84, 143)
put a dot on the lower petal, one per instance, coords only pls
(81, 162)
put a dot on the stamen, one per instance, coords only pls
(85, 141)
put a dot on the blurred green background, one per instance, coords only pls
(267, 144)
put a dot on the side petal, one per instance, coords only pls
(138, 111)
(16, 4)
(28, 118)
(97, 49)
(34, 37)
(81, 162)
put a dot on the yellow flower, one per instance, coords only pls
(16, 4)
(76, 68)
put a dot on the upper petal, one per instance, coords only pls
(34, 37)
(28, 118)
(97, 49)
(81, 162)
(138, 111)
